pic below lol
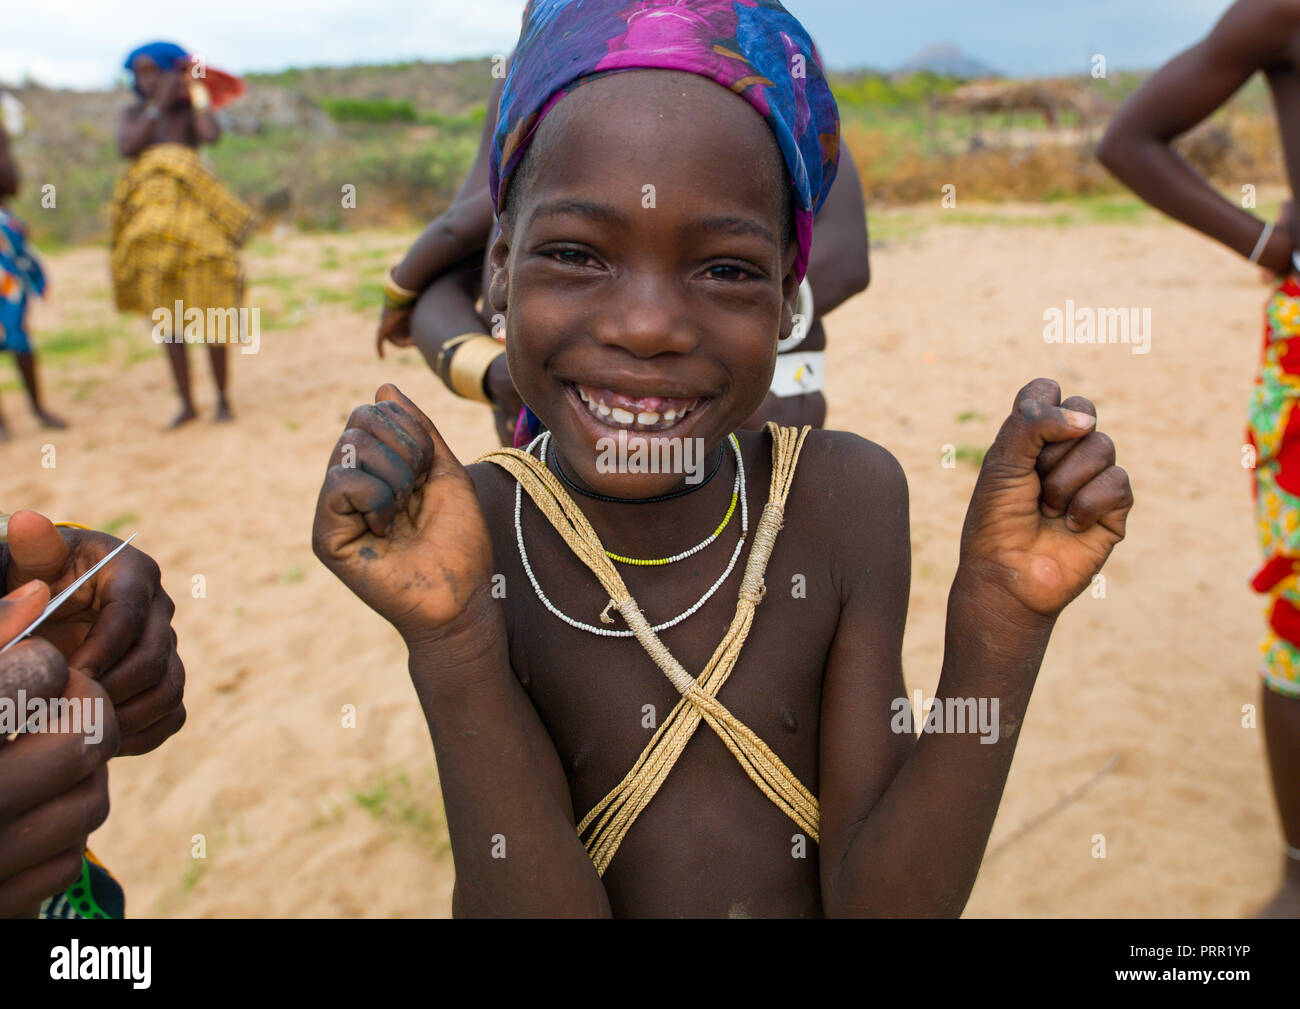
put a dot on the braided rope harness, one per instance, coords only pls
(606, 825)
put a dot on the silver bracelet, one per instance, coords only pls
(1264, 236)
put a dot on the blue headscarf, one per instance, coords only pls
(163, 54)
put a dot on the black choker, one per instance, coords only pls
(635, 500)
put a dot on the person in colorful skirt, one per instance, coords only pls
(21, 277)
(176, 231)
(1253, 36)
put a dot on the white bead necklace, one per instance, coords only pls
(542, 440)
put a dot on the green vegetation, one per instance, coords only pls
(119, 522)
(368, 110)
(876, 91)
(392, 801)
(403, 135)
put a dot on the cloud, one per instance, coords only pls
(81, 43)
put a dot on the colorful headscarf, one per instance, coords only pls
(755, 48)
(163, 54)
(223, 87)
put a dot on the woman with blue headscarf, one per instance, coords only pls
(176, 230)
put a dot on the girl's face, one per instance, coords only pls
(643, 270)
(147, 75)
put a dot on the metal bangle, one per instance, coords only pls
(469, 367)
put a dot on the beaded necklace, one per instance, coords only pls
(542, 440)
(659, 561)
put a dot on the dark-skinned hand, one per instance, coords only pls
(1049, 505)
(116, 628)
(53, 784)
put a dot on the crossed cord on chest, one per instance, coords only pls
(606, 825)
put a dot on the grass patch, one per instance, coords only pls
(73, 342)
(280, 281)
(393, 801)
(367, 297)
(1114, 210)
(120, 521)
(322, 821)
(368, 110)
(195, 870)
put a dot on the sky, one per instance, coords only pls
(81, 43)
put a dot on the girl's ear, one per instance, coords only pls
(499, 283)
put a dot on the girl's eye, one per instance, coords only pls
(729, 272)
(570, 257)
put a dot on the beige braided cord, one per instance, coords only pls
(608, 822)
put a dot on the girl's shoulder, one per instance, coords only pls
(848, 505)
(837, 462)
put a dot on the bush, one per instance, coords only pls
(368, 110)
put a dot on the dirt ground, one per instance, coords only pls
(1135, 732)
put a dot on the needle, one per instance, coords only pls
(63, 596)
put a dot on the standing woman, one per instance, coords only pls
(176, 230)
(1253, 36)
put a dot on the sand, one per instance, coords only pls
(1136, 719)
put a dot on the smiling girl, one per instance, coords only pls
(656, 169)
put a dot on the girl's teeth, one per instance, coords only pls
(626, 418)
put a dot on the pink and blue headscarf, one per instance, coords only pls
(755, 48)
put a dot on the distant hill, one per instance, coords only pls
(948, 61)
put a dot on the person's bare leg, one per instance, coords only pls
(27, 367)
(1281, 717)
(4, 429)
(219, 374)
(181, 372)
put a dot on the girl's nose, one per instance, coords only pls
(647, 316)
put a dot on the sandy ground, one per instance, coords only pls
(1136, 721)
